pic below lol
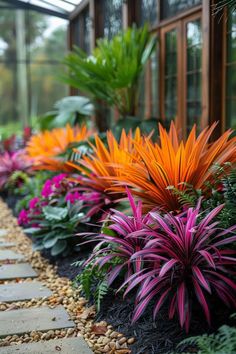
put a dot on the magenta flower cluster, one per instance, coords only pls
(54, 185)
(60, 191)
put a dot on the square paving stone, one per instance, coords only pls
(7, 244)
(33, 319)
(3, 232)
(62, 346)
(23, 291)
(14, 271)
(8, 254)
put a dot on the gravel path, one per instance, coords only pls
(100, 336)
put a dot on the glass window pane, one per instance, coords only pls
(32, 45)
(231, 47)
(8, 93)
(112, 17)
(148, 12)
(170, 75)
(194, 73)
(172, 7)
(231, 80)
(231, 70)
(45, 88)
(155, 84)
(231, 113)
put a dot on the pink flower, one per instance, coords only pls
(33, 202)
(72, 197)
(47, 189)
(23, 218)
(58, 179)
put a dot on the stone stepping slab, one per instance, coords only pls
(7, 244)
(14, 271)
(3, 233)
(10, 255)
(33, 319)
(62, 346)
(23, 291)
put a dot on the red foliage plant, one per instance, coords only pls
(175, 259)
(185, 259)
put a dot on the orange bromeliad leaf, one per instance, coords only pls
(173, 162)
(44, 148)
(105, 163)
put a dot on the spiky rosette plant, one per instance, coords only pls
(120, 240)
(173, 162)
(185, 260)
(46, 149)
(107, 160)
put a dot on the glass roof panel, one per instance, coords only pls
(60, 6)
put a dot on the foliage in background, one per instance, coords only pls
(45, 148)
(173, 162)
(71, 110)
(112, 73)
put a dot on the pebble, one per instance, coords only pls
(64, 294)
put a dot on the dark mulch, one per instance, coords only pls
(159, 337)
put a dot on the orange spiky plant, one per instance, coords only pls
(105, 163)
(173, 162)
(45, 148)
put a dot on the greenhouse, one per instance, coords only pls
(117, 176)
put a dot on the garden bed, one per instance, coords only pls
(151, 337)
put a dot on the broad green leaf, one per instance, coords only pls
(54, 213)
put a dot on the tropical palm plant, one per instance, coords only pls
(45, 148)
(112, 73)
(173, 162)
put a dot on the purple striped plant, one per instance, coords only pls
(124, 237)
(185, 259)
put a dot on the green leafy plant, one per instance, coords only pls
(56, 229)
(59, 213)
(222, 342)
(112, 72)
(221, 189)
(31, 188)
(69, 110)
(93, 281)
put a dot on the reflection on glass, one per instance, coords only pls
(172, 7)
(112, 12)
(45, 90)
(148, 12)
(142, 96)
(154, 83)
(231, 112)
(82, 30)
(170, 101)
(32, 45)
(231, 70)
(194, 72)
